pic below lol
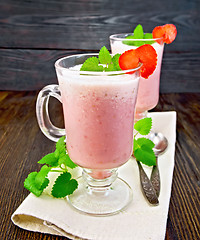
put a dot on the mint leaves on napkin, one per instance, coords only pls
(58, 161)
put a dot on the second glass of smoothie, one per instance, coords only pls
(148, 92)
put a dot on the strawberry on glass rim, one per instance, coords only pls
(168, 32)
(144, 54)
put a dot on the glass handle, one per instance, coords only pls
(44, 122)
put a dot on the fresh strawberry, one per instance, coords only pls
(145, 54)
(148, 57)
(159, 32)
(128, 60)
(168, 32)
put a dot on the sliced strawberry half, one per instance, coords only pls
(168, 32)
(148, 57)
(145, 54)
(128, 60)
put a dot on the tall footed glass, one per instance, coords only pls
(99, 117)
(148, 92)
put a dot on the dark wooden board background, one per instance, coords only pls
(34, 33)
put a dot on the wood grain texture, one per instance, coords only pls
(88, 24)
(29, 69)
(184, 212)
(33, 69)
(36, 32)
(22, 145)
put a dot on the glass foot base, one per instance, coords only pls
(101, 201)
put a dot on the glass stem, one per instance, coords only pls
(99, 178)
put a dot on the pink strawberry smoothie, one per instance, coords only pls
(148, 92)
(99, 118)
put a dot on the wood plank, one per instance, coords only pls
(29, 69)
(184, 214)
(88, 24)
(60, 26)
(23, 69)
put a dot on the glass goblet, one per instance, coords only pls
(99, 118)
(148, 92)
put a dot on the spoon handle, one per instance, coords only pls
(147, 187)
(155, 178)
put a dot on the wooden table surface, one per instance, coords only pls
(22, 144)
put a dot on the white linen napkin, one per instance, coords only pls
(139, 221)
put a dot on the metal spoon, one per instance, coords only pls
(151, 187)
(147, 187)
(161, 144)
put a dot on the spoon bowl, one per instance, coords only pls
(160, 142)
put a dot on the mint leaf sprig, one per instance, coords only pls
(143, 147)
(58, 161)
(103, 63)
(138, 33)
